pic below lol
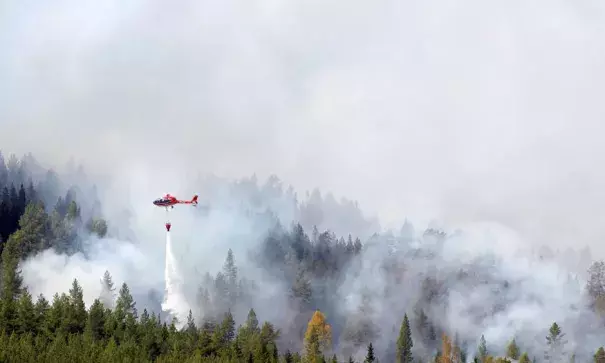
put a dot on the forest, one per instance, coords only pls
(404, 315)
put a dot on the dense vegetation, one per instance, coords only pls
(38, 212)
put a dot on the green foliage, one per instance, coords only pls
(370, 355)
(482, 349)
(98, 226)
(555, 343)
(524, 358)
(11, 285)
(32, 329)
(599, 356)
(512, 351)
(404, 342)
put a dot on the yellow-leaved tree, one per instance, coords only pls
(318, 337)
(450, 353)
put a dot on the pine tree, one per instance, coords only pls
(98, 226)
(26, 315)
(404, 342)
(358, 246)
(596, 279)
(190, 327)
(512, 351)
(425, 329)
(370, 355)
(555, 343)
(95, 325)
(230, 273)
(482, 349)
(599, 356)
(11, 285)
(125, 304)
(73, 211)
(252, 322)
(107, 295)
(41, 315)
(524, 358)
(76, 314)
(33, 232)
(301, 290)
(225, 333)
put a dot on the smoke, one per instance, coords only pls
(425, 110)
(479, 281)
(48, 273)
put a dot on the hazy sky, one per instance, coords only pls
(463, 111)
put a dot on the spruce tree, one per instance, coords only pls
(12, 282)
(76, 314)
(26, 315)
(125, 304)
(482, 349)
(599, 356)
(95, 325)
(404, 342)
(555, 343)
(107, 295)
(252, 322)
(512, 351)
(370, 355)
(230, 274)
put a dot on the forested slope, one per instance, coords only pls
(384, 298)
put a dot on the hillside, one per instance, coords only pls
(299, 293)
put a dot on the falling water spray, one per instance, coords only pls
(174, 299)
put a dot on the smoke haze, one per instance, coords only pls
(470, 114)
(429, 110)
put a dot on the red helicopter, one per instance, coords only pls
(170, 201)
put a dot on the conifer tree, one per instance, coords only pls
(26, 315)
(11, 285)
(230, 274)
(32, 235)
(555, 342)
(76, 314)
(301, 290)
(107, 295)
(98, 226)
(512, 351)
(482, 349)
(252, 322)
(95, 325)
(370, 355)
(524, 358)
(41, 314)
(599, 356)
(125, 304)
(404, 342)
